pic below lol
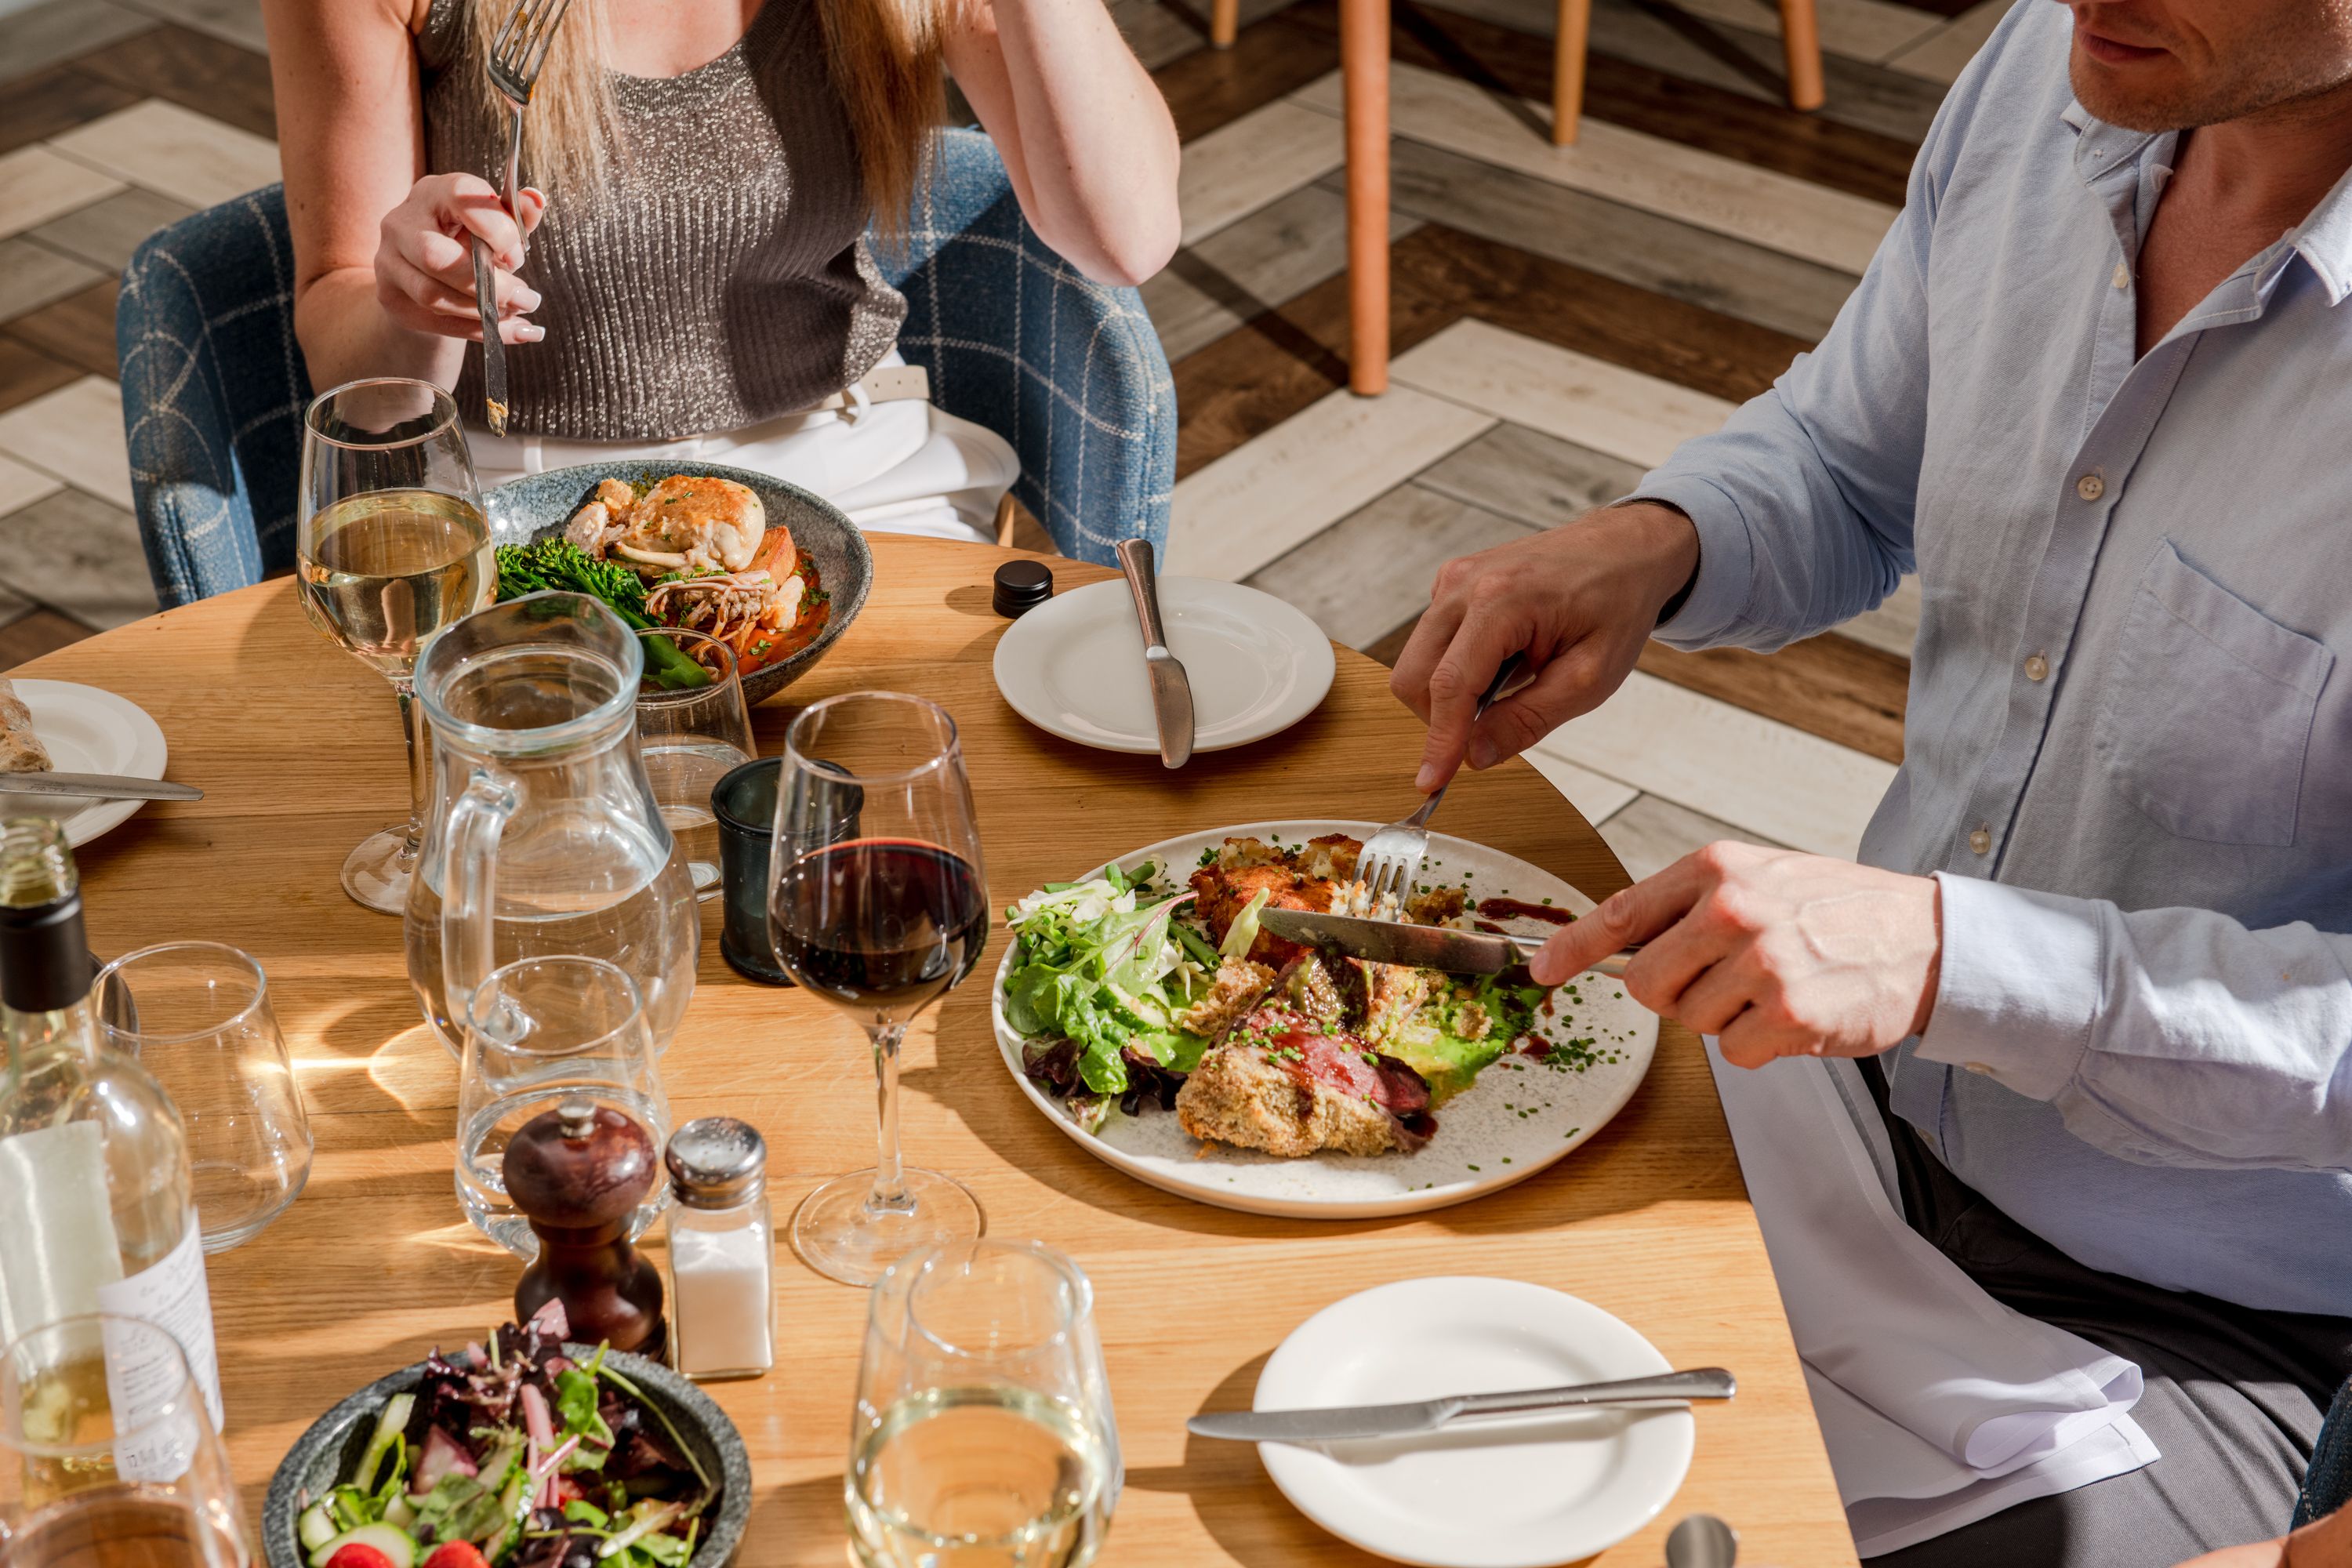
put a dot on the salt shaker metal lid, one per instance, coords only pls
(716, 1161)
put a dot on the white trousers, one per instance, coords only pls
(893, 467)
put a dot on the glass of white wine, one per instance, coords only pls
(107, 1456)
(983, 1435)
(392, 545)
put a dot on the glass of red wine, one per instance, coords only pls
(880, 905)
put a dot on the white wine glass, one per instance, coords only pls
(107, 1456)
(878, 904)
(983, 1433)
(391, 545)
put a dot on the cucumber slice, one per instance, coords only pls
(314, 1527)
(400, 1513)
(396, 1545)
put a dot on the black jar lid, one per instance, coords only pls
(1023, 585)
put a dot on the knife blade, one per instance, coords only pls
(494, 352)
(98, 787)
(1420, 947)
(1355, 1423)
(1172, 689)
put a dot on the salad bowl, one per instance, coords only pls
(332, 1448)
(537, 507)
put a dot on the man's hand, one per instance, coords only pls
(1774, 953)
(1580, 599)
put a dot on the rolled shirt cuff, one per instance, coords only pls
(1719, 594)
(2019, 989)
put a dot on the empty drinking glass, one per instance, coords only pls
(692, 737)
(984, 1432)
(543, 1031)
(107, 1456)
(196, 1015)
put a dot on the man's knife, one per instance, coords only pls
(1420, 947)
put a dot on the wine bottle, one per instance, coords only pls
(96, 1204)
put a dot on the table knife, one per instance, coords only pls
(98, 787)
(494, 352)
(1171, 691)
(1421, 947)
(1355, 1423)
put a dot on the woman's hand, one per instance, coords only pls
(425, 261)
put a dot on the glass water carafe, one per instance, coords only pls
(544, 836)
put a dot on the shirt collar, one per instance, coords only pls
(2324, 239)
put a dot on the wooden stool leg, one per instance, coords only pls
(1225, 23)
(1801, 36)
(1568, 68)
(1364, 66)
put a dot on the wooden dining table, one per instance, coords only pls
(298, 750)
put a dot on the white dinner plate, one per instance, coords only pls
(1514, 1492)
(1073, 665)
(1520, 1115)
(88, 730)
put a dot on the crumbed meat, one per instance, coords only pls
(1285, 1086)
(1234, 990)
(1435, 906)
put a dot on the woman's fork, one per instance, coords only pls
(518, 54)
(1391, 858)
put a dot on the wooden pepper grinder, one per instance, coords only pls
(578, 1174)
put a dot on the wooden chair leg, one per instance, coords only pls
(1568, 68)
(1008, 520)
(1225, 23)
(1364, 70)
(1801, 37)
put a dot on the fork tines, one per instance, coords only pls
(520, 47)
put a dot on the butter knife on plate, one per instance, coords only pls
(1359, 1421)
(1172, 689)
(1421, 947)
(98, 787)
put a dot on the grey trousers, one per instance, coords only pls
(2234, 1397)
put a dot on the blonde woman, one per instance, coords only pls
(703, 174)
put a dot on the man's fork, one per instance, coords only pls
(1392, 858)
(517, 53)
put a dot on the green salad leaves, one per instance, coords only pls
(1099, 966)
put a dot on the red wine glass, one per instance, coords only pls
(878, 904)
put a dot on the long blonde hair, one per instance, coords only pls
(885, 57)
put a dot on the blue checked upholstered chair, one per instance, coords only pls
(1069, 372)
(2327, 1484)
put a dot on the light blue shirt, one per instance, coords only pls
(2128, 750)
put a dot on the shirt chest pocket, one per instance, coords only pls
(2205, 725)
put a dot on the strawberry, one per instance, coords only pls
(451, 1555)
(358, 1555)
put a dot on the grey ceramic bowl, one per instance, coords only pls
(326, 1453)
(531, 508)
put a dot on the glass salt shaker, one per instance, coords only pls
(722, 1245)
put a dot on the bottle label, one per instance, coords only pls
(173, 1296)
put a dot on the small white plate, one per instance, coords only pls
(1515, 1492)
(88, 730)
(1519, 1117)
(1073, 665)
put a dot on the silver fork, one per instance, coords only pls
(1391, 858)
(517, 53)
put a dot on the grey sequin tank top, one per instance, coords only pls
(717, 274)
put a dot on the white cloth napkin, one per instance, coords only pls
(1938, 1404)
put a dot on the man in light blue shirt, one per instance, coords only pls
(2097, 389)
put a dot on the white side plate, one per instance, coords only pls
(1512, 1493)
(88, 730)
(1519, 1117)
(1073, 665)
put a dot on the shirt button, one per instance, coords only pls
(2036, 667)
(2123, 275)
(2090, 487)
(1977, 1068)
(1981, 841)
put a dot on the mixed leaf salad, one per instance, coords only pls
(512, 1454)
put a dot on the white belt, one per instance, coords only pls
(883, 384)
